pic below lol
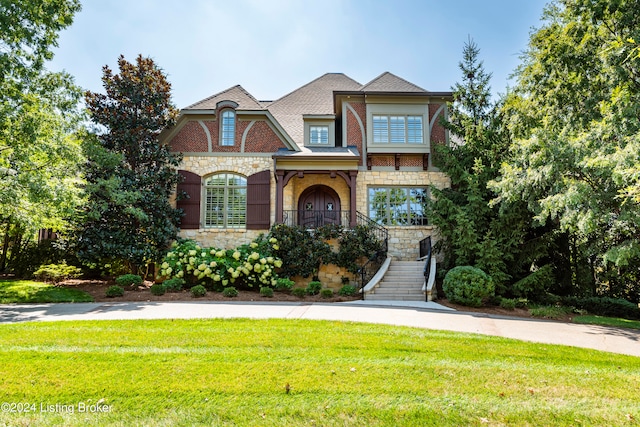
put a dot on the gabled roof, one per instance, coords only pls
(314, 98)
(387, 82)
(236, 94)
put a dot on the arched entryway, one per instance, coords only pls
(318, 205)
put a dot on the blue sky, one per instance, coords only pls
(272, 47)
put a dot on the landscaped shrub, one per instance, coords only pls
(198, 291)
(132, 280)
(115, 291)
(266, 292)
(468, 286)
(173, 285)
(230, 292)
(56, 273)
(299, 292)
(284, 284)
(508, 303)
(347, 291)
(249, 265)
(313, 288)
(157, 289)
(301, 252)
(326, 293)
(535, 285)
(604, 306)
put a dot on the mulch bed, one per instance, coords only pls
(98, 288)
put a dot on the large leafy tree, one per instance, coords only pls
(494, 237)
(39, 118)
(575, 118)
(130, 174)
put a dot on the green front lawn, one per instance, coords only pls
(235, 372)
(607, 321)
(29, 291)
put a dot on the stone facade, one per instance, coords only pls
(244, 165)
(403, 241)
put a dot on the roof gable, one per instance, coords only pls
(387, 82)
(236, 94)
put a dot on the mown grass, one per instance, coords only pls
(607, 321)
(29, 291)
(234, 372)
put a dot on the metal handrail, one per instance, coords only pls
(315, 218)
(425, 253)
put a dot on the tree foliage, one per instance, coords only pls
(39, 121)
(575, 160)
(130, 174)
(494, 238)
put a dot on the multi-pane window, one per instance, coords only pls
(397, 130)
(227, 136)
(319, 135)
(398, 205)
(225, 201)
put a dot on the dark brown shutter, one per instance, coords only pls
(189, 191)
(259, 201)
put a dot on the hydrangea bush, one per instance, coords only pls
(251, 264)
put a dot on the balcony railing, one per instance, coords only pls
(314, 219)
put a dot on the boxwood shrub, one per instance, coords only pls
(115, 291)
(157, 289)
(198, 291)
(468, 286)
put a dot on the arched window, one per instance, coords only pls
(225, 201)
(228, 128)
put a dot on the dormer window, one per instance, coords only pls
(319, 130)
(319, 135)
(228, 128)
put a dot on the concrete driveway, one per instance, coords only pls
(415, 314)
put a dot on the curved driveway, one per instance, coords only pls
(416, 314)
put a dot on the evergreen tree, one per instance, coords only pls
(493, 237)
(130, 174)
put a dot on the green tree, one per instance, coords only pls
(575, 158)
(39, 121)
(496, 238)
(130, 174)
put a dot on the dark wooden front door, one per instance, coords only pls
(317, 206)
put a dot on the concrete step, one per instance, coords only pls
(389, 291)
(377, 297)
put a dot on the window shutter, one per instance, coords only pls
(190, 204)
(259, 201)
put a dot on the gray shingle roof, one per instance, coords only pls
(236, 94)
(387, 82)
(316, 97)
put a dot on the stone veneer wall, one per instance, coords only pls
(244, 165)
(403, 241)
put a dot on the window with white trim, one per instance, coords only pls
(225, 201)
(397, 129)
(403, 206)
(228, 128)
(319, 135)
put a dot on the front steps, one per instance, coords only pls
(403, 281)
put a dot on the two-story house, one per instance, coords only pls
(331, 151)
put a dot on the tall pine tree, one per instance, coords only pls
(495, 238)
(130, 174)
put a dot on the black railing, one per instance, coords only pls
(380, 232)
(425, 253)
(314, 219)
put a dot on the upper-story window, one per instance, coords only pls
(319, 135)
(397, 129)
(228, 128)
